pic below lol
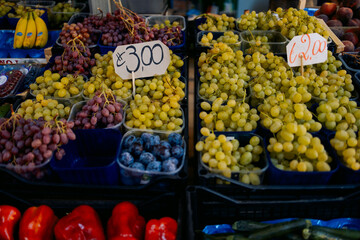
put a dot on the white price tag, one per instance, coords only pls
(144, 59)
(312, 48)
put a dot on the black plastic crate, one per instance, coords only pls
(207, 207)
(150, 207)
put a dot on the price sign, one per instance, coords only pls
(143, 59)
(312, 48)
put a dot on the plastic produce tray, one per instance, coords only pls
(207, 207)
(58, 18)
(7, 50)
(346, 59)
(159, 19)
(216, 35)
(13, 21)
(277, 42)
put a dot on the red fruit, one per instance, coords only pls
(328, 8)
(344, 14)
(317, 13)
(349, 46)
(352, 37)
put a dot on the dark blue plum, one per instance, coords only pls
(154, 166)
(175, 139)
(136, 149)
(128, 141)
(125, 150)
(146, 158)
(168, 166)
(153, 140)
(139, 140)
(177, 151)
(175, 161)
(156, 139)
(165, 144)
(162, 152)
(146, 137)
(126, 159)
(137, 165)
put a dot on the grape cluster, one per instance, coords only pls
(339, 114)
(229, 37)
(257, 44)
(82, 31)
(25, 144)
(228, 156)
(76, 59)
(53, 85)
(347, 145)
(104, 77)
(261, 21)
(294, 149)
(234, 116)
(102, 111)
(61, 13)
(43, 108)
(5, 7)
(145, 113)
(217, 23)
(222, 73)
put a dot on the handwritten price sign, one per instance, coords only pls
(312, 48)
(142, 59)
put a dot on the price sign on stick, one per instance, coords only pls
(309, 48)
(141, 59)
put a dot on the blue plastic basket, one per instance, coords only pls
(7, 49)
(91, 158)
(344, 59)
(345, 175)
(281, 177)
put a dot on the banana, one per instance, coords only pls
(30, 35)
(42, 32)
(20, 31)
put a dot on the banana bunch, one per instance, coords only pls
(31, 31)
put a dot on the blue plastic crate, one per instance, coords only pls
(91, 158)
(344, 58)
(7, 49)
(282, 177)
(345, 175)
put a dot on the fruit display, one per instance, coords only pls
(9, 81)
(217, 23)
(144, 113)
(347, 145)
(102, 111)
(48, 109)
(76, 59)
(27, 144)
(233, 116)
(81, 31)
(5, 7)
(52, 85)
(284, 21)
(21, 10)
(344, 21)
(62, 12)
(227, 156)
(148, 152)
(228, 68)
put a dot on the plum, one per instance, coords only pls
(352, 37)
(334, 23)
(323, 17)
(344, 14)
(349, 46)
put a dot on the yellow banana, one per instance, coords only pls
(41, 32)
(20, 31)
(30, 36)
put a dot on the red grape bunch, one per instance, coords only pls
(76, 59)
(85, 32)
(102, 111)
(25, 144)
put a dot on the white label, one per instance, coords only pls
(230, 138)
(3, 80)
(144, 59)
(311, 48)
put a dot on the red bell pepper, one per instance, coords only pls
(9, 216)
(164, 229)
(37, 223)
(82, 223)
(125, 223)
